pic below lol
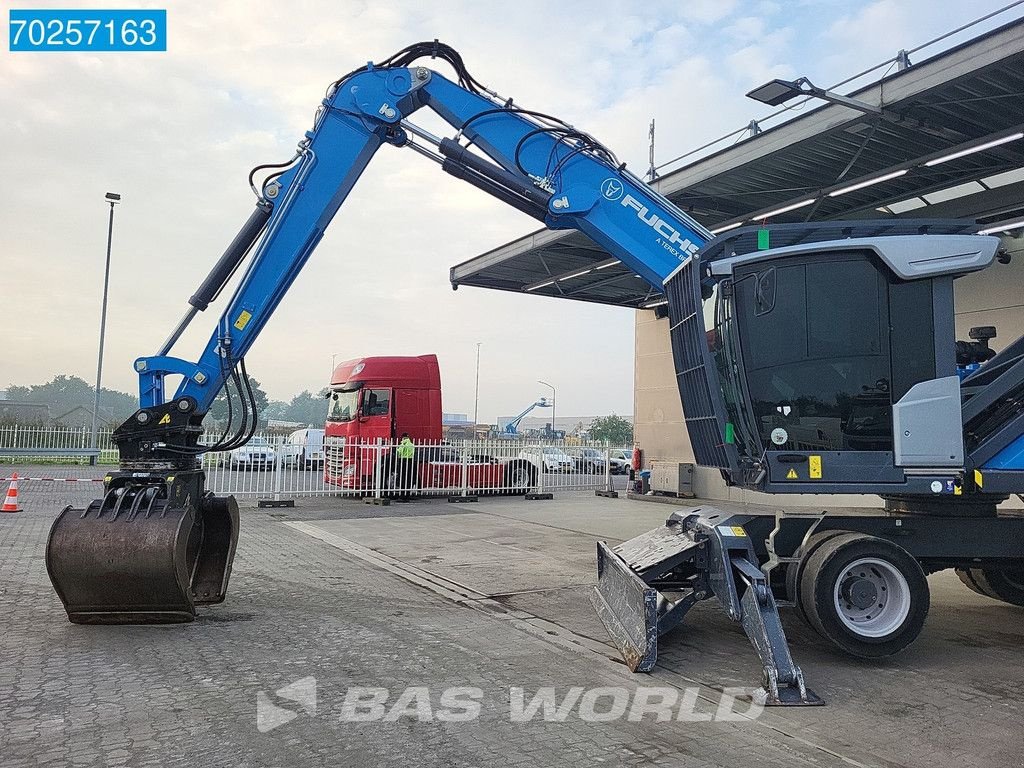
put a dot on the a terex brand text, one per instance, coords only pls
(670, 238)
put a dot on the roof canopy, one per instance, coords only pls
(948, 143)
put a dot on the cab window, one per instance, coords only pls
(814, 340)
(376, 402)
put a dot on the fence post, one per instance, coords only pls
(465, 468)
(607, 466)
(378, 472)
(278, 462)
(277, 446)
(609, 490)
(540, 493)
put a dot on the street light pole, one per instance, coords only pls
(476, 396)
(552, 406)
(113, 198)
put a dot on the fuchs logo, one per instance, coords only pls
(612, 189)
(670, 238)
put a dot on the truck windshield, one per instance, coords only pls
(344, 406)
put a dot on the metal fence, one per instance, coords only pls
(270, 466)
(57, 442)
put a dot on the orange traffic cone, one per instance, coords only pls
(11, 502)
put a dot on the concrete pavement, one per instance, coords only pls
(494, 597)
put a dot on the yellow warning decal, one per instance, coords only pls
(791, 475)
(958, 489)
(243, 319)
(978, 480)
(737, 530)
(166, 419)
(814, 467)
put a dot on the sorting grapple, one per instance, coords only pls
(148, 552)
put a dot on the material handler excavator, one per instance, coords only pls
(811, 358)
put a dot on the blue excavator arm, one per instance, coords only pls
(538, 164)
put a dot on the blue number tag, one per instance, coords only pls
(87, 30)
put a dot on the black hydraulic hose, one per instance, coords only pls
(232, 257)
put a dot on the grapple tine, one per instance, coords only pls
(216, 550)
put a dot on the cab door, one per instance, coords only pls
(376, 414)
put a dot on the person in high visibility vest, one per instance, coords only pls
(406, 454)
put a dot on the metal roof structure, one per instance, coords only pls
(949, 142)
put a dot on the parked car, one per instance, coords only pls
(256, 454)
(588, 461)
(304, 448)
(549, 459)
(621, 460)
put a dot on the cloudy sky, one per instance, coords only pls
(176, 133)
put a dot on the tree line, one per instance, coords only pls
(64, 393)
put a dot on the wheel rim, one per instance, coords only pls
(872, 597)
(520, 478)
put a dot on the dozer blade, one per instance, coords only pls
(143, 554)
(628, 608)
(627, 600)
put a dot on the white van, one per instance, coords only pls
(304, 448)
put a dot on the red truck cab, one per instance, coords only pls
(374, 400)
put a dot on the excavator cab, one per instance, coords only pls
(825, 363)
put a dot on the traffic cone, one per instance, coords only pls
(11, 502)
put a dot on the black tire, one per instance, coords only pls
(520, 477)
(888, 576)
(795, 571)
(967, 576)
(1007, 586)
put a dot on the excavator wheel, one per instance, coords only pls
(865, 595)
(794, 571)
(143, 554)
(1004, 585)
